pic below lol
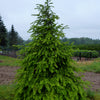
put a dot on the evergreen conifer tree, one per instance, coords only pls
(20, 40)
(3, 34)
(13, 37)
(46, 72)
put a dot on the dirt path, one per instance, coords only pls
(7, 74)
(94, 79)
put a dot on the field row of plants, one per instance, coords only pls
(86, 53)
(88, 47)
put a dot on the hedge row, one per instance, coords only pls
(88, 47)
(86, 53)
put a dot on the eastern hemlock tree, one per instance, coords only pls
(13, 37)
(46, 72)
(3, 34)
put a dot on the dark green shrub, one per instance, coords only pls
(92, 47)
(86, 53)
(46, 72)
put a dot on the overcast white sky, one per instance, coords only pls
(82, 16)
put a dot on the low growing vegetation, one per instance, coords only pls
(94, 67)
(8, 61)
(7, 92)
(91, 66)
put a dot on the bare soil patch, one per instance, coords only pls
(7, 75)
(1, 61)
(94, 79)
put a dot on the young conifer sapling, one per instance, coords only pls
(46, 72)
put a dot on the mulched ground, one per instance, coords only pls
(7, 75)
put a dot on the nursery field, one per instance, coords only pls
(8, 67)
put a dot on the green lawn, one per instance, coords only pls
(91, 66)
(93, 95)
(97, 96)
(8, 61)
(7, 92)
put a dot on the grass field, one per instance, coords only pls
(91, 66)
(8, 61)
(7, 91)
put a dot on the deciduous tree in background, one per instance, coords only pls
(46, 72)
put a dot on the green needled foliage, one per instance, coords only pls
(46, 72)
(3, 34)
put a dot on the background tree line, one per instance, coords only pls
(9, 39)
(81, 41)
(84, 43)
